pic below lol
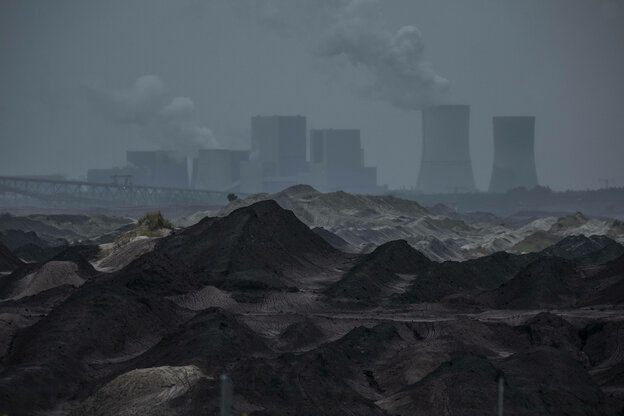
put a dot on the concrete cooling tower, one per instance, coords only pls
(514, 158)
(445, 166)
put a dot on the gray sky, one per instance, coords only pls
(561, 60)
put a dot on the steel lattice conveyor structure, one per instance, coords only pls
(49, 192)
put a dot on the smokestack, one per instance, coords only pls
(445, 166)
(514, 158)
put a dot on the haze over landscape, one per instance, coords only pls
(558, 60)
(311, 207)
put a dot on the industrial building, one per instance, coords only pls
(445, 164)
(218, 169)
(278, 154)
(151, 168)
(158, 168)
(279, 142)
(514, 157)
(337, 162)
(277, 160)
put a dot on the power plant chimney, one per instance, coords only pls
(445, 166)
(514, 158)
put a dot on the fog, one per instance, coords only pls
(82, 81)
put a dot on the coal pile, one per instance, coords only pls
(596, 249)
(373, 276)
(18, 238)
(548, 282)
(8, 261)
(303, 328)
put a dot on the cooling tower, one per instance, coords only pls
(445, 165)
(514, 159)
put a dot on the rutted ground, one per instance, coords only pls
(303, 328)
(359, 223)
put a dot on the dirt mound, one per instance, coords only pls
(210, 340)
(325, 209)
(607, 286)
(362, 345)
(68, 266)
(469, 277)
(373, 276)
(546, 329)
(542, 381)
(47, 232)
(596, 249)
(548, 282)
(334, 240)
(299, 335)
(262, 236)
(245, 294)
(553, 383)
(205, 298)
(326, 380)
(535, 242)
(37, 254)
(466, 385)
(8, 261)
(568, 222)
(63, 355)
(602, 343)
(18, 238)
(15, 315)
(398, 257)
(121, 257)
(147, 391)
(48, 276)
(299, 385)
(256, 248)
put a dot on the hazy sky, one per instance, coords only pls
(209, 65)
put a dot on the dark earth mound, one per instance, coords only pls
(287, 334)
(211, 340)
(548, 282)
(371, 277)
(8, 261)
(472, 276)
(18, 238)
(37, 254)
(596, 249)
(334, 240)
(259, 247)
(299, 335)
(63, 355)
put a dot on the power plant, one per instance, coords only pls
(278, 154)
(218, 169)
(148, 168)
(337, 161)
(279, 142)
(284, 153)
(445, 164)
(278, 158)
(514, 157)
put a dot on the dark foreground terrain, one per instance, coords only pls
(305, 329)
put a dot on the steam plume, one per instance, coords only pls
(399, 72)
(146, 104)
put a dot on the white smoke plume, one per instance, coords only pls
(395, 61)
(166, 121)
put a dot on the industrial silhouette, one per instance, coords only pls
(514, 158)
(445, 164)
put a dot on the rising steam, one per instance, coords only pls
(399, 72)
(147, 105)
